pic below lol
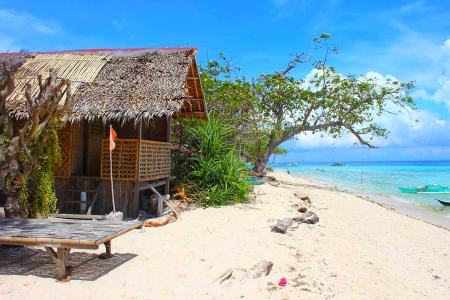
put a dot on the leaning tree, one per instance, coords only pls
(328, 104)
(27, 147)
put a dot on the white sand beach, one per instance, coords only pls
(358, 250)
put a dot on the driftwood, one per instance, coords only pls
(224, 276)
(175, 212)
(262, 268)
(302, 196)
(282, 226)
(160, 221)
(308, 218)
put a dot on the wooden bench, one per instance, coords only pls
(62, 235)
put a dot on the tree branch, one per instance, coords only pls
(10, 85)
(361, 141)
(291, 65)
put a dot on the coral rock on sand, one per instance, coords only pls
(302, 196)
(262, 268)
(301, 207)
(309, 218)
(282, 226)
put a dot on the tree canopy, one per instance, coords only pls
(276, 107)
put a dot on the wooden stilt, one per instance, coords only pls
(108, 247)
(167, 191)
(61, 263)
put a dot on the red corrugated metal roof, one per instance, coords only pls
(104, 50)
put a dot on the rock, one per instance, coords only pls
(282, 226)
(302, 196)
(301, 207)
(308, 218)
(262, 268)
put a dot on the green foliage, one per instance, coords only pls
(280, 151)
(230, 99)
(213, 169)
(36, 194)
(278, 107)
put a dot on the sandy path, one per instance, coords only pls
(358, 250)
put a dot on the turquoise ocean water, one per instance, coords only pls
(381, 179)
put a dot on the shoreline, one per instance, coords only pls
(407, 209)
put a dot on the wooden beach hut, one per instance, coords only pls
(137, 91)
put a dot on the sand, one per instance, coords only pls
(358, 250)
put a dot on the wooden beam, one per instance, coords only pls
(52, 254)
(146, 186)
(97, 191)
(79, 216)
(175, 212)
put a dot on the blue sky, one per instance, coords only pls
(409, 40)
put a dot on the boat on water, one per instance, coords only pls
(338, 164)
(294, 164)
(446, 203)
(426, 189)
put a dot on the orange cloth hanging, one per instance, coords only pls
(112, 137)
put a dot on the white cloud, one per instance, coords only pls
(430, 131)
(8, 44)
(417, 7)
(117, 25)
(442, 93)
(422, 94)
(24, 22)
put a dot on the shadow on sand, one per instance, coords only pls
(28, 261)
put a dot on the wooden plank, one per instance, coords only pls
(97, 191)
(79, 216)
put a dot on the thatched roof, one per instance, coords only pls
(120, 85)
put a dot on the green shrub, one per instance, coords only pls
(213, 170)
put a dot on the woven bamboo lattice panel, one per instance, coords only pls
(78, 68)
(97, 128)
(124, 160)
(155, 160)
(63, 171)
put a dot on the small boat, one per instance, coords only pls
(255, 181)
(446, 203)
(338, 164)
(426, 189)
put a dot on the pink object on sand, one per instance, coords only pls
(282, 282)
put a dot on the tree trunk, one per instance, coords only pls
(262, 160)
(12, 207)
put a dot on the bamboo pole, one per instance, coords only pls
(111, 171)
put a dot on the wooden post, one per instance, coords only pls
(108, 247)
(138, 173)
(61, 263)
(169, 140)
